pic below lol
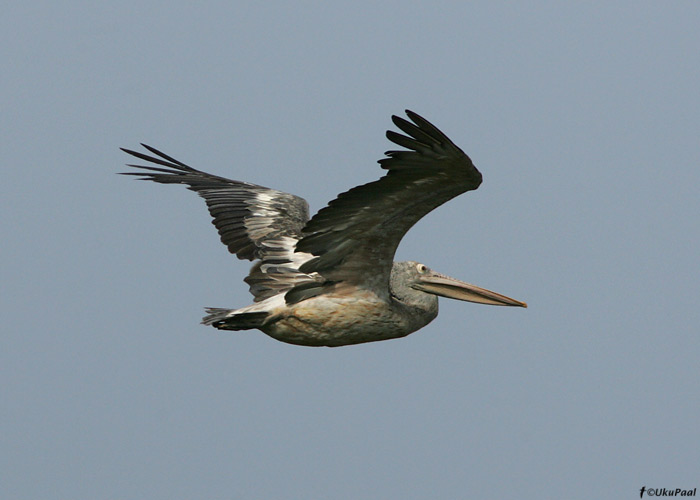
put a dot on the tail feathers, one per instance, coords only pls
(228, 319)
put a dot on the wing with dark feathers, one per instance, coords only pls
(254, 222)
(246, 215)
(355, 237)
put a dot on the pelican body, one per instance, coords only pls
(330, 280)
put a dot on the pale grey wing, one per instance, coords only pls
(254, 222)
(355, 237)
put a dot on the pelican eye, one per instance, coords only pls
(422, 268)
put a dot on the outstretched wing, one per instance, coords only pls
(254, 222)
(355, 237)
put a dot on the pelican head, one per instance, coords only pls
(408, 277)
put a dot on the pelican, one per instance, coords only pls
(331, 280)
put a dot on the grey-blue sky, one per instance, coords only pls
(584, 120)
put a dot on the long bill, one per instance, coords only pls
(444, 286)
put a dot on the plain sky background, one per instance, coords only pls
(584, 119)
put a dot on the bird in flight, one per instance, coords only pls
(331, 280)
